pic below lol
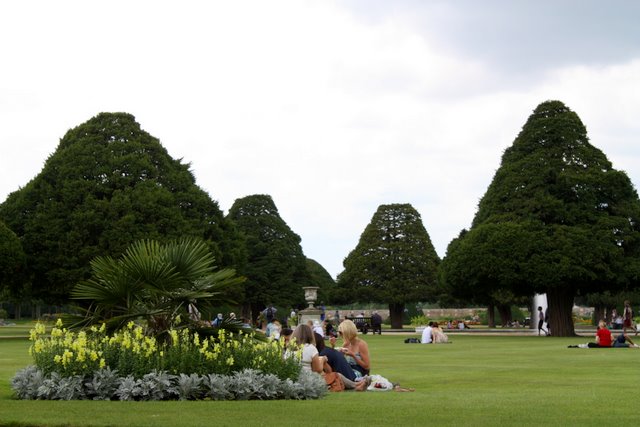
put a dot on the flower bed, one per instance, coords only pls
(128, 365)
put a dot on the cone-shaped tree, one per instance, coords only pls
(276, 269)
(394, 262)
(556, 219)
(108, 183)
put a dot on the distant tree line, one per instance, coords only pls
(556, 219)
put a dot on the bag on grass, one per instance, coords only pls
(334, 381)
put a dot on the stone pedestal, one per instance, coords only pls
(307, 314)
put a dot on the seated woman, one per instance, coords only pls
(311, 359)
(354, 349)
(603, 338)
(438, 335)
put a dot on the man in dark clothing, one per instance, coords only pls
(335, 359)
(376, 323)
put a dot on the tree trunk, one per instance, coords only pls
(396, 312)
(598, 313)
(491, 316)
(505, 314)
(560, 302)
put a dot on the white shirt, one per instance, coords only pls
(308, 352)
(426, 335)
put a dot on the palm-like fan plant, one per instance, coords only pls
(156, 283)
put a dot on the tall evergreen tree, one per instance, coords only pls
(394, 262)
(556, 219)
(276, 269)
(108, 184)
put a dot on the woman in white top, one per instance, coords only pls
(311, 360)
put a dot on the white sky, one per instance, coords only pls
(331, 107)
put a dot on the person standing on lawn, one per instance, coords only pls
(541, 321)
(627, 321)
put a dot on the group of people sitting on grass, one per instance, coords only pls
(605, 340)
(351, 362)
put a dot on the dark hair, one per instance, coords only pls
(319, 341)
(286, 332)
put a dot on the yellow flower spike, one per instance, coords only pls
(93, 356)
(102, 363)
(230, 361)
(138, 333)
(33, 335)
(94, 329)
(130, 325)
(57, 359)
(196, 339)
(103, 327)
(59, 322)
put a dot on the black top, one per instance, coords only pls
(338, 363)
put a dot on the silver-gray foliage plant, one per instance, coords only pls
(105, 384)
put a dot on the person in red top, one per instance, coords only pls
(603, 337)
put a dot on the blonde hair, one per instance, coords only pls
(348, 330)
(602, 324)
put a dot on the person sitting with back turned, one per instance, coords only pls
(311, 359)
(426, 334)
(438, 335)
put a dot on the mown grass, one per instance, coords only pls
(475, 381)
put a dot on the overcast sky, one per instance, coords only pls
(331, 107)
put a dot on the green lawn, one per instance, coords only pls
(475, 381)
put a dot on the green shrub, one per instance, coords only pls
(130, 352)
(420, 320)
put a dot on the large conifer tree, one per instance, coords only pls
(556, 219)
(108, 184)
(394, 262)
(276, 269)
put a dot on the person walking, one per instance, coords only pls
(541, 321)
(627, 318)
